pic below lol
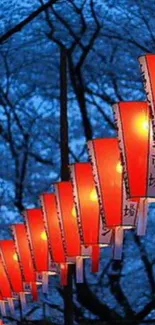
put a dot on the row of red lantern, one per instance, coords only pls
(88, 212)
(27, 256)
(61, 225)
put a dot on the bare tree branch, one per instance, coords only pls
(26, 21)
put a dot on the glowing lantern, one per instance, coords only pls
(6, 290)
(12, 268)
(137, 153)
(5, 287)
(118, 214)
(39, 245)
(86, 200)
(56, 244)
(25, 259)
(69, 226)
(35, 231)
(48, 202)
(65, 204)
(147, 63)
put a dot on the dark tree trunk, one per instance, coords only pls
(68, 290)
(78, 86)
(63, 116)
(90, 301)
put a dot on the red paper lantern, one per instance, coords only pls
(57, 240)
(11, 264)
(54, 234)
(67, 219)
(12, 268)
(48, 202)
(37, 238)
(5, 290)
(105, 156)
(39, 245)
(75, 252)
(120, 214)
(25, 258)
(87, 206)
(137, 153)
(132, 119)
(147, 63)
(88, 213)
(5, 286)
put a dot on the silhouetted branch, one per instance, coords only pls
(148, 265)
(24, 22)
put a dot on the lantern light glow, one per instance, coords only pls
(93, 196)
(15, 257)
(119, 167)
(74, 214)
(43, 235)
(141, 124)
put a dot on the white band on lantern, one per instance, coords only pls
(86, 251)
(52, 267)
(22, 300)
(142, 217)
(79, 269)
(45, 282)
(63, 274)
(11, 306)
(118, 243)
(2, 307)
